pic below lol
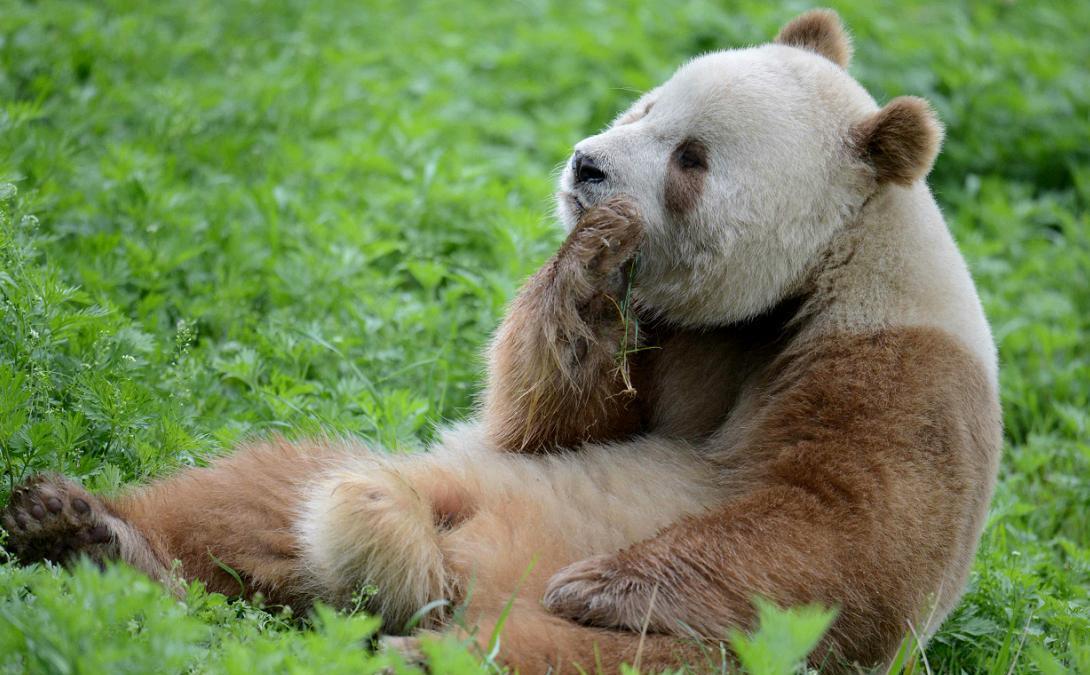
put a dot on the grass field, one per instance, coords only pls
(224, 218)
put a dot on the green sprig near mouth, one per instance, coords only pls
(630, 339)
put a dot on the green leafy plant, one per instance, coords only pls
(783, 640)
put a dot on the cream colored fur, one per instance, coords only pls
(365, 524)
(775, 120)
(905, 270)
(371, 520)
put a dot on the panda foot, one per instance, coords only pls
(52, 518)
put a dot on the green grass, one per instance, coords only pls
(232, 218)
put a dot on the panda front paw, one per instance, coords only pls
(599, 591)
(601, 248)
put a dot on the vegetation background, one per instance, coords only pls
(228, 218)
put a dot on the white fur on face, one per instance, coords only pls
(780, 179)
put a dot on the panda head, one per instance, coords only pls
(744, 165)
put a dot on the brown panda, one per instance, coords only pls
(756, 367)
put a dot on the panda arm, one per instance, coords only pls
(860, 481)
(559, 364)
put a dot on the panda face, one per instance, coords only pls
(741, 167)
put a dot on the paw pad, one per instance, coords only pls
(52, 518)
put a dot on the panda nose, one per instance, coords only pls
(585, 168)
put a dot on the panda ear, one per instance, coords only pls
(900, 141)
(820, 31)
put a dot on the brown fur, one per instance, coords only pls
(535, 641)
(557, 378)
(717, 363)
(900, 141)
(685, 177)
(838, 476)
(239, 514)
(820, 31)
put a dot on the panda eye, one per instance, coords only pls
(691, 155)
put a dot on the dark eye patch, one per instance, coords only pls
(685, 171)
(691, 155)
